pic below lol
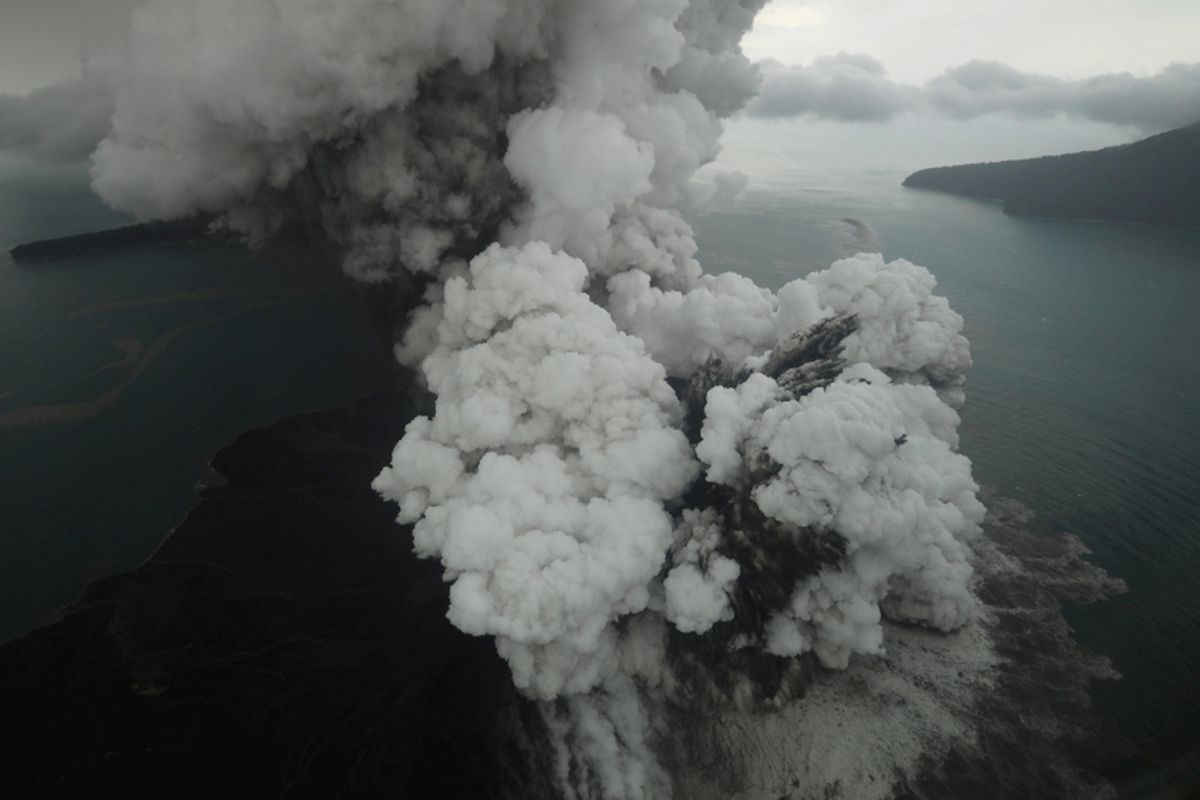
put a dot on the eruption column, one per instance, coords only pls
(623, 446)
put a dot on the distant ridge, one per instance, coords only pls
(147, 233)
(1155, 180)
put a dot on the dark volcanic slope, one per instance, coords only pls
(1154, 180)
(283, 642)
(148, 233)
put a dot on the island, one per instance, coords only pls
(183, 230)
(1155, 180)
(284, 641)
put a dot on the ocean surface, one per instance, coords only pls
(122, 373)
(1083, 402)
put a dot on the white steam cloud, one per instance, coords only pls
(630, 462)
(855, 88)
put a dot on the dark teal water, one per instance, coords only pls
(121, 374)
(1082, 402)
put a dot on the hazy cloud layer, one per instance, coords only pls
(63, 122)
(847, 87)
(856, 88)
(66, 121)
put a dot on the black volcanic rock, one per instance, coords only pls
(283, 642)
(183, 230)
(1155, 180)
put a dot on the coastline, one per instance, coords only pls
(285, 630)
(1003, 203)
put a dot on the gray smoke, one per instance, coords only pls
(855, 88)
(63, 122)
(632, 465)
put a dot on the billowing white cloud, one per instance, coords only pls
(541, 480)
(624, 450)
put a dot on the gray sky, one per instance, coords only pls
(900, 53)
(41, 41)
(918, 39)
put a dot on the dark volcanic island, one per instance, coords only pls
(183, 230)
(283, 642)
(1155, 180)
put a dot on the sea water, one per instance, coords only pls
(1083, 401)
(122, 372)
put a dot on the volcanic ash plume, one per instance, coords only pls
(632, 465)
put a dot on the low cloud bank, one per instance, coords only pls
(855, 88)
(65, 122)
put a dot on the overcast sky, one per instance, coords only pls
(1032, 63)
(41, 41)
(918, 39)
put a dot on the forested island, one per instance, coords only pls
(1154, 180)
